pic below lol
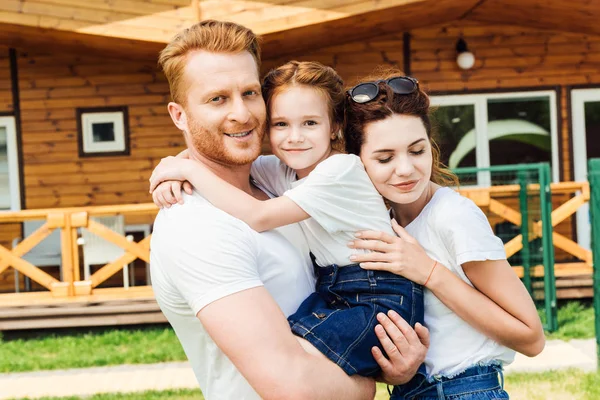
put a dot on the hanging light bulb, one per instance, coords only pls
(464, 58)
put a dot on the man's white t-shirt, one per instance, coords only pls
(200, 254)
(338, 195)
(453, 231)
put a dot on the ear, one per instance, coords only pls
(335, 132)
(178, 116)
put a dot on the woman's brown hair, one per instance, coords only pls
(317, 76)
(385, 104)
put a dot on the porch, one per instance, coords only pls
(67, 296)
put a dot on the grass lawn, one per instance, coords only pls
(90, 348)
(575, 321)
(45, 350)
(560, 385)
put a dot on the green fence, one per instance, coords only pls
(522, 190)
(594, 179)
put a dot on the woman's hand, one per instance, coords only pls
(401, 255)
(406, 348)
(169, 169)
(168, 193)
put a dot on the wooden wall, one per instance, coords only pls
(6, 103)
(52, 86)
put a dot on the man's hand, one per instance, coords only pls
(406, 348)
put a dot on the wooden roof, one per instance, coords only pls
(140, 28)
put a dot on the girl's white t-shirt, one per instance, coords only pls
(453, 231)
(338, 195)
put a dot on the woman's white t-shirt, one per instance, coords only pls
(338, 195)
(453, 231)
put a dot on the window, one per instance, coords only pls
(10, 197)
(491, 129)
(103, 131)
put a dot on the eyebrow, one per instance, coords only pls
(391, 151)
(303, 117)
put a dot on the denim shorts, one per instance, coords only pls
(339, 319)
(483, 382)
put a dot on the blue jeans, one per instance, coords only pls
(339, 319)
(475, 383)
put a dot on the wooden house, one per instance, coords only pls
(537, 62)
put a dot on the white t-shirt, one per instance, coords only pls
(338, 195)
(453, 231)
(201, 254)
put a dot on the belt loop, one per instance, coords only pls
(501, 378)
(440, 390)
(336, 270)
(371, 276)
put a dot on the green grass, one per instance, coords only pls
(575, 321)
(554, 385)
(179, 394)
(100, 347)
(46, 350)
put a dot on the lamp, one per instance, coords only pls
(464, 58)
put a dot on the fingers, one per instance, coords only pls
(401, 232)
(369, 257)
(373, 245)
(385, 364)
(176, 189)
(376, 235)
(163, 195)
(375, 266)
(187, 187)
(423, 334)
(407, 331)
(397, 342)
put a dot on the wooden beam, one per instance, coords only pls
(26, 37)
(578, 16)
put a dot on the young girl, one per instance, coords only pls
(332, 196)
(476, 308)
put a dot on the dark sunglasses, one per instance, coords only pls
(367, 91)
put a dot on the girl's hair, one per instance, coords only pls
(315, 75)
(384, 105)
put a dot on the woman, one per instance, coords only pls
(476, 308)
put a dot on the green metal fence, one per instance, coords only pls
(524, 188)
(594, 179)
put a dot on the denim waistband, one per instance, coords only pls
(353, 272)
(474, 379)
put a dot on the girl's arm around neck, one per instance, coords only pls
(259, 215)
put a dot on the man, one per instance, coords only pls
(225, 288)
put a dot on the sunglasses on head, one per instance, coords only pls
(367, 91)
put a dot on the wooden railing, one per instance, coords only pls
(491, 198)
(494, 199)
(69, 220)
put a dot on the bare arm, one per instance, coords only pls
(252, 331)
(498, 306)
(259, 215)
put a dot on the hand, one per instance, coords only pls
(401, 255)
(169, 169)
(405, 347)
(168, 193)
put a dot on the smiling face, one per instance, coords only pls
(300, 128)
(397, 156)
(224, 113)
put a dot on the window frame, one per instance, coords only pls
(9, 123)
(86, 146)
(480, 100)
